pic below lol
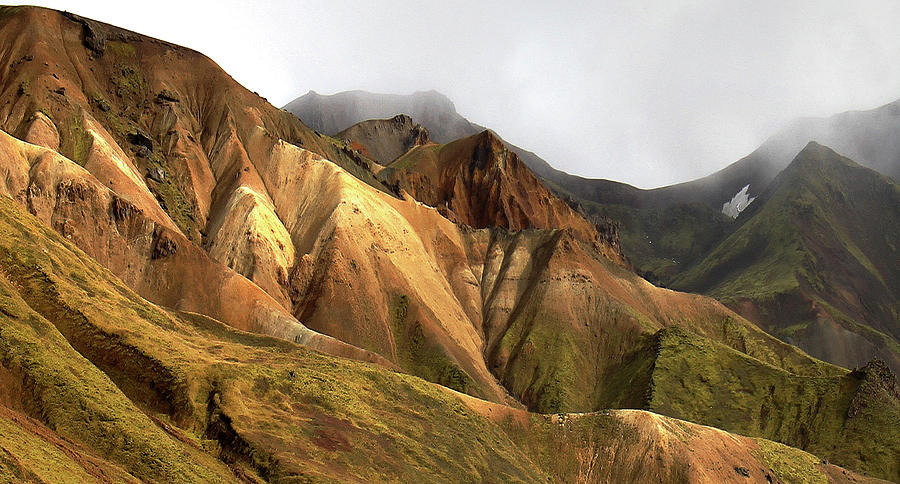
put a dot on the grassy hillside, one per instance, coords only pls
(813, 260)
(825, 415)
(123, 389)
(663, 242)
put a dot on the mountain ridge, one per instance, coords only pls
(254, 236)
(826, 199)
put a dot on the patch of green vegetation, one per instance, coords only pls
(7, 11)
(121, 49)
(77, 400)
(28, 457)
(74, 141)
(758, 260)
(627, 384)
(410, 159)
(129, 82)
(551, 385)
(118, 126)
(790, 464)
(663, 242)
(706, 382)
(543, 362)
(418, 354)
(175, 201)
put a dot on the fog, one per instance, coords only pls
(649, 93)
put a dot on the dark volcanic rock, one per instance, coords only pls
(138, 138)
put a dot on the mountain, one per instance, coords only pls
(865, 136)
(814, 260)
(331, 114)
(479, 182)
(384, 140)
(337, 112)
(645, 216)
(100, 385)
(173, 247)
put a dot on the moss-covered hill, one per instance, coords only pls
(99, 385)
(814, 260)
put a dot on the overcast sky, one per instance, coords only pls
(649, 93)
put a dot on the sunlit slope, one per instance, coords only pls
(119, 386)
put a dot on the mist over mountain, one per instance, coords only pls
(812, 264)
(197, 286)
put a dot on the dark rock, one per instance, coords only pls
(61, 91)
(138, 138)
(163, 245)
(143, 152)
(121, 209)
(103, 105)
(877, 382)
(167, 96)
(93, 35)
(157, 174)
(742, 471)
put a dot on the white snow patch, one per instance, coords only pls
(738, 203)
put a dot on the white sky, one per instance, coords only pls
(649, 93)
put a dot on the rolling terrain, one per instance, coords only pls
(100, 385)
(189, 274)
(666, 233)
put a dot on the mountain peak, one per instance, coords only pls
(384, 140)
(331, 114)
(816, 156)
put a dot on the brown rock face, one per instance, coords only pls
(477, 181)
(384, 140)
(145, 231)
(256, 218)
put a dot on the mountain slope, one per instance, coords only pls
(202, 197)
(478, 182)
(124, 389)
(384, 140)
(813, 263)
(150, 152)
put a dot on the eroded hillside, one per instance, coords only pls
(100, 385)
(462, 269)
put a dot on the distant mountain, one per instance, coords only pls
(188, 273)
(333, 113)
(815, 260)
(337, 112)
(383, 140)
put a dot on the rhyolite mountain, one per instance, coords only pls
(198, 287)
(868, 137)
(667, 231)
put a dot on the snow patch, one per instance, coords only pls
(738, 203)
